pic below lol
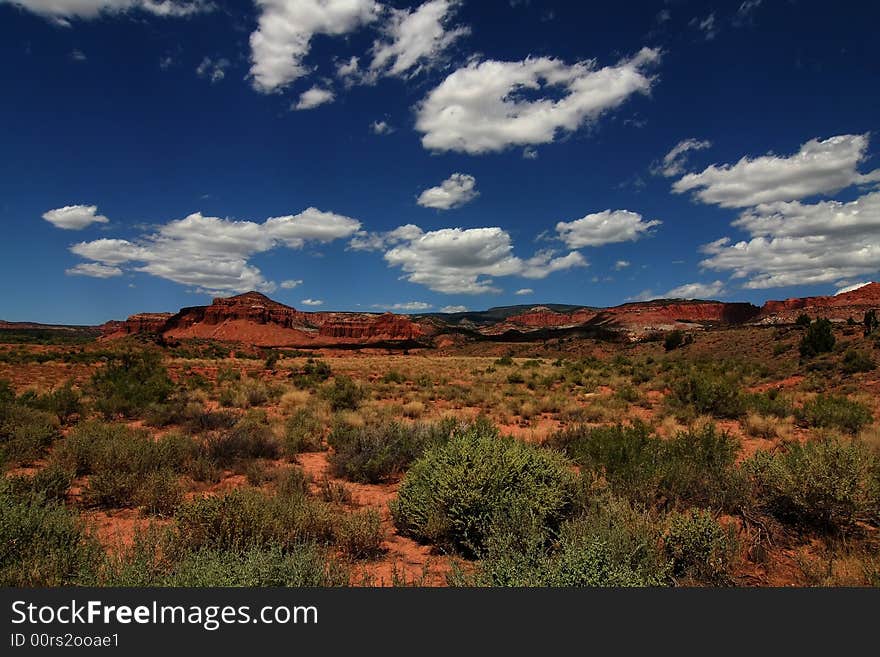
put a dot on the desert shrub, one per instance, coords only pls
(827, 483)
(708, 393)
(360, 534)
(189, 415)
(130, 382)
(857, 361)
(42, 543)
(203, 468)
(818, 339)
(782, 348)
(303, 432)
(247, 393)
(256, 473)
(504, 361)
(699, 547)
(64, 402)
(343, 394)
(675, 339)
(247, 518)
(374, 453)
(515, 378)
(160, 492)
(250, 438)
(769, 403)
(51, 482)
(301, 565)
(803, 320)
(835, 411)
(693, 467)
(456, 491)
(293, 481)
(7, 394)
(334, 492)
(393, 376)
(613, 544)
(25, 432)
(312, 373)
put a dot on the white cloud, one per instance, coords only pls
(313, 98)
(524, 292)
(465, 261)
(409, 306)
(61, 10)
(78, 55)
(706, 25)
(794, 243)
(312, 302)
(285, 29)
(94, 270)
(75, 217)
(290, 284)
(415, 39)
(483, 107)
(455, 191)
(606, 227)
(819, 167)
(213, 69)
(213, 254)
(621, 264)
(851, 287)
(675, 160)
(454, 309)
(701, 291)
(381, 128)
(530, 153)
(696, 291)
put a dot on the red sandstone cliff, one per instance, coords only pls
(838, 307)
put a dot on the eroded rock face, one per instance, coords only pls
(838, 307)
(542, 317)
(256, 319)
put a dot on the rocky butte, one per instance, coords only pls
(254, 318)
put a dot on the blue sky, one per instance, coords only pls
(357, 155)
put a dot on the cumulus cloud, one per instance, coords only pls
(75, 217)
(455, 191)
(415, 39)
(465, 261)
(313, 98)
(454, 309)
(525, 291)
(94, 270)
(210, 253)
(819, 167)
(312, 302)
(284, 33)
(794, 243)
(621, 264)
(381, 128)
(213, 69)
(62, 10)
(606, 227)
(674, 161)
(696, 291)
(686, 291)
(408, 306)
(492, 105)
(290, 284)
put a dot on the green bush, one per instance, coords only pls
(360, 534)
(376, 453)
(312, 373)
(803, 320)
(857, 361)
(64, 402)
(42, 543)
(818, 339)
(710, 393)
(835, 411)
(303, 432)
(693, 467)
(130, 383)
(343, 394)
(676, 339)
(456, 492)
(699, 547)
(769, 403)
(247, 518)
(831, 484)
(250, 438)
(25, 433)
(51, 482)
(614, 544)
